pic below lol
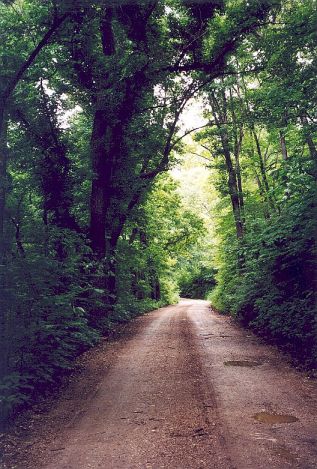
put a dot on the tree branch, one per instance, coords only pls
(200, 156)
(209, 124)
(28, 62)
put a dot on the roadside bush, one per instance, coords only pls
(275, 293)
(43, 329)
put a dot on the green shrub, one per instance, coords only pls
(275, 292)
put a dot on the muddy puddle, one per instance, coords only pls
(267, 417)
(244, 363)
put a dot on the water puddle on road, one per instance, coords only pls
(266, 417)
(211, 336)
(245, 363)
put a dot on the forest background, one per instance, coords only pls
(115, 199)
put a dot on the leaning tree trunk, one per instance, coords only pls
(233, 187)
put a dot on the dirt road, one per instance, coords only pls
(189, 390)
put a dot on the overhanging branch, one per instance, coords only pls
(209, 124)
(28, 62)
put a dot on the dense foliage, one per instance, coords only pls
(262, 145)
(93, 231)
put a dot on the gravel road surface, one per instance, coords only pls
(189, 389)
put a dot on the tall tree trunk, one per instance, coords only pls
(233, 186)
(219, 109)
(262, 194)
(310, 143)
(56, 183)
(56, 187)
(100, 142)
(283, 146)
(237, 151)
(109, 158)
(3, 179)
(238, 139)
(106, 143)
(4, 287)
(100, 182)
(110, 273)
(261, 160)
(264, 178)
